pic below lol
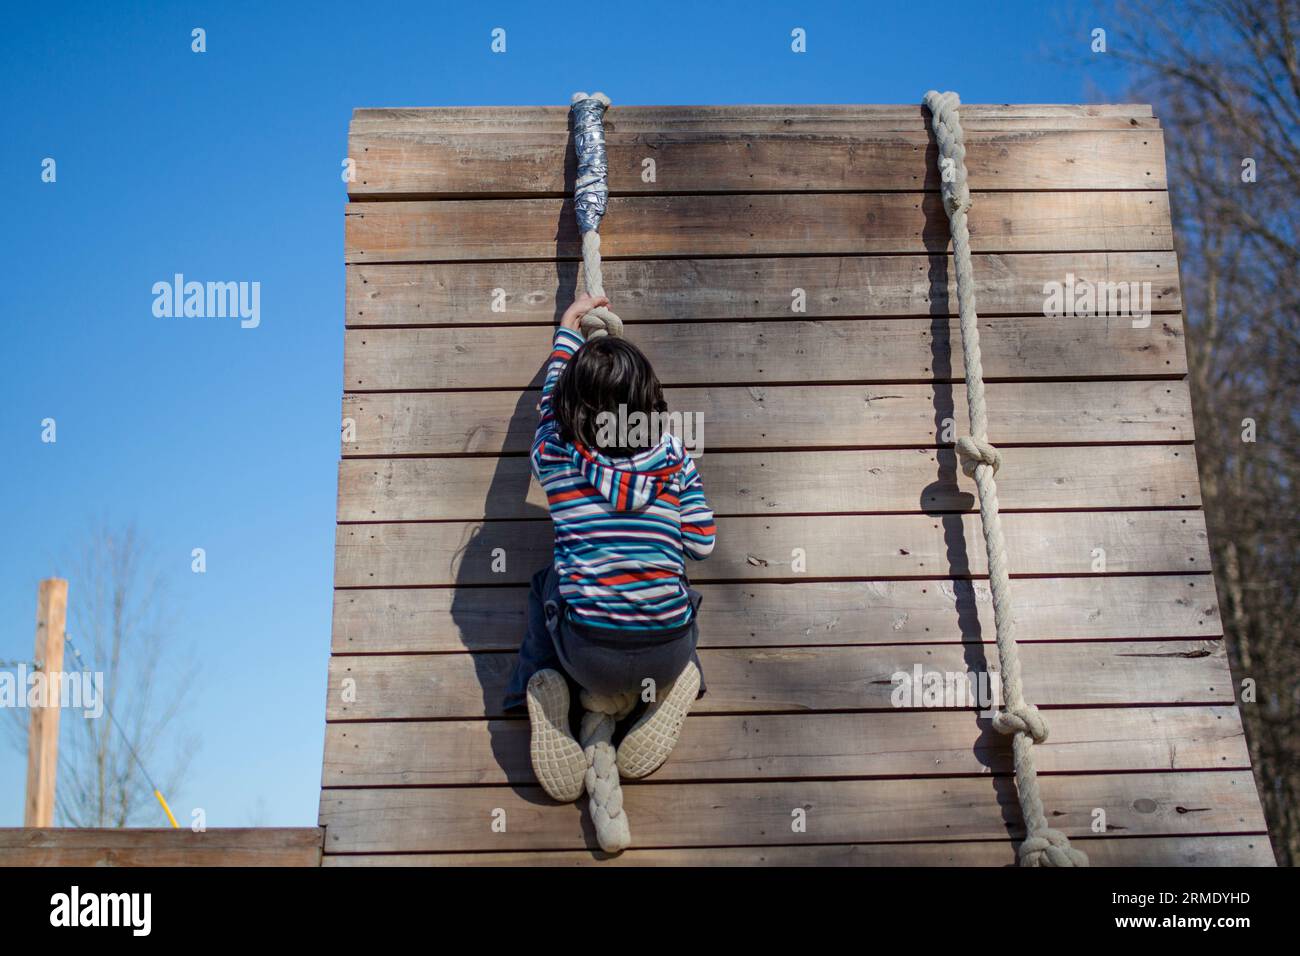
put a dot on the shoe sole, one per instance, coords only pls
(558, 761)
(652, 739)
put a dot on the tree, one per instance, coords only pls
(1225, 79)
(118, 621)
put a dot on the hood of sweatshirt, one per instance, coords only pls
(630, 484)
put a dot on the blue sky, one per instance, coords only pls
(225, 166)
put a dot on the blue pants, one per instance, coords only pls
(592, 659)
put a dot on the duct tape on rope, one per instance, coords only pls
(590, 200)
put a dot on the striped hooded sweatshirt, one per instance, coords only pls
(622, 525)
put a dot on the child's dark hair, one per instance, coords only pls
(605, 373)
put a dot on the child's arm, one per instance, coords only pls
(567, 341)
(699, 532)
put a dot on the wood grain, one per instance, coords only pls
(432, 164)
(765, 614)
(756, 483)
(747, 353)
(815, 546)
(788, 746)
(845, 811)
(1102, 851)
(806, 679)
(220, 846)
(684, 290)
(754, 120)
(756, 225)
(773, 416)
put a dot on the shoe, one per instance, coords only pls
(654, 735)
(558, 761)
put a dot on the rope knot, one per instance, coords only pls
(1050, 847)
(981, 461)
(973, 452)
(1025, 718)
(601, 321)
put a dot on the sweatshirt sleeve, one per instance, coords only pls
(699, 532)
(546, 442)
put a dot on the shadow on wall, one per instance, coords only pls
(492, 617)
(991, 749)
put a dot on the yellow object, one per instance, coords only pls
(167, 809)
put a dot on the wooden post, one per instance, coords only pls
(43, 733)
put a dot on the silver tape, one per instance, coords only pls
(591, 187)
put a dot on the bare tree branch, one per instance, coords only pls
(1225, 79)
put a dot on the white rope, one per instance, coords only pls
(1043, 846)
(600, 320)
(600, 715)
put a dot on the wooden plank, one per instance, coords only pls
(1105, 851)
(683, 290)
(670, 113)
(753, 483)
(746, 353)
(511, 163)
(773, 416)
(773, 680)
(784, 547)
(410, 620)
(664, 113)
(757, 225)
(753, 119)
(751, 125)
(846, 811)
(787, 746)
(262, 846)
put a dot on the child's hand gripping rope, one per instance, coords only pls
(585, 303)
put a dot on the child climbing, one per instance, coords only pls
(613, 615)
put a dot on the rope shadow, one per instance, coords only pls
(492, 618)
(943, 500)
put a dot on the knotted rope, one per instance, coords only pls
(1043, 846)
(600, 715)
(590, 194)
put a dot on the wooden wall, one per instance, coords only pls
(220, 846)
(823, 432)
